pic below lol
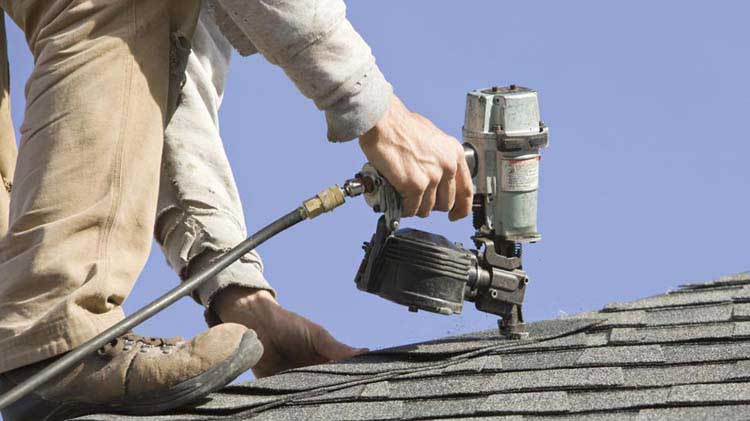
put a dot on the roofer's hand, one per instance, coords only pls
(425, 165)
(289, 340)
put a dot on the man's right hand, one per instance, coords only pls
(424, 164)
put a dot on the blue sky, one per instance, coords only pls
(644, 185)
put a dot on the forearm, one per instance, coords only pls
(322, 53)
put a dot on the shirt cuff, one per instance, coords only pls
(244, 272)
(354, 115)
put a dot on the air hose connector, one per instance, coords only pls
(325, 201)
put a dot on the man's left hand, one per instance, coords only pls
(289, 340)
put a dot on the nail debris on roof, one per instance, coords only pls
(681, 355)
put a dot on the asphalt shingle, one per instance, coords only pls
(441, 408)
(681, 355)
(534, 402)
(677, 354)
(685, 298)
(358, 411)
(621, 355)
(660, 335)
(679, 374)
(710, 393)
(608, 400)
(723, 413)
(541, 360)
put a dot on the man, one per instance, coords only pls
(85, 195)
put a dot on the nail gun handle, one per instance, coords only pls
(383, 197)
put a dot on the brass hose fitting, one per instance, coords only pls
(325, 201)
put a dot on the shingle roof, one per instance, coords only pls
(681, 355)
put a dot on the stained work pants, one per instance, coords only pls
(7, 135)
(86, 182)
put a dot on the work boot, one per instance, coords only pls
(138, 375)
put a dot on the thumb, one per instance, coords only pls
(331, 349)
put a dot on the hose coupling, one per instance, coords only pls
(325, 201)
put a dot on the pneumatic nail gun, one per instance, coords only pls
(503, 134)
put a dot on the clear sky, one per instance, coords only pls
(644, 185)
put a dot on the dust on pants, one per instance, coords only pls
(86, 180)
(7, 133)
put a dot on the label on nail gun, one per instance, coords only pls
(519, 174)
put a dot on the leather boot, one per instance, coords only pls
(138, 375)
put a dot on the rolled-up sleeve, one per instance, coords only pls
(323, 55)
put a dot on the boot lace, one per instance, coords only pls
(127, 341)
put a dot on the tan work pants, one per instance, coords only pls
(86, 179)
(7, 135)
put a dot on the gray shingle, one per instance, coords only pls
(596, 416)
(447, 348)
(476, 365)
(421, 374)
(541, 360)
(493, 418)
(623, 318)
(376, 390)
(597, 338)
(560, 327)
(359, 411)
(710, 393)
(546, 332)
(167, 417)
(674, 354)
(295, 381)
(433, 387)
(221, 401)
(672, 333)
(683, 355)
(689, 315)
(534, 402)
(680, 374)
(622, 355)
(617, 399)
(577, 340)
(741, 311)
(507, 382)
(683, 298)
(365, 364)
(434, 408)
(285, 413)
(742, 329)
(723, 413)
(619, 318)
(742, 370)
(671, 315)
(346, 394)
(742, 278)
(557, 378)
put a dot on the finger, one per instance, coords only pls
(446, 193)
(410, 205)
(464, 192)
(428, 201)
(331, 349)
(412, 194)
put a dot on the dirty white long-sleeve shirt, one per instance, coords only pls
(318, 48)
